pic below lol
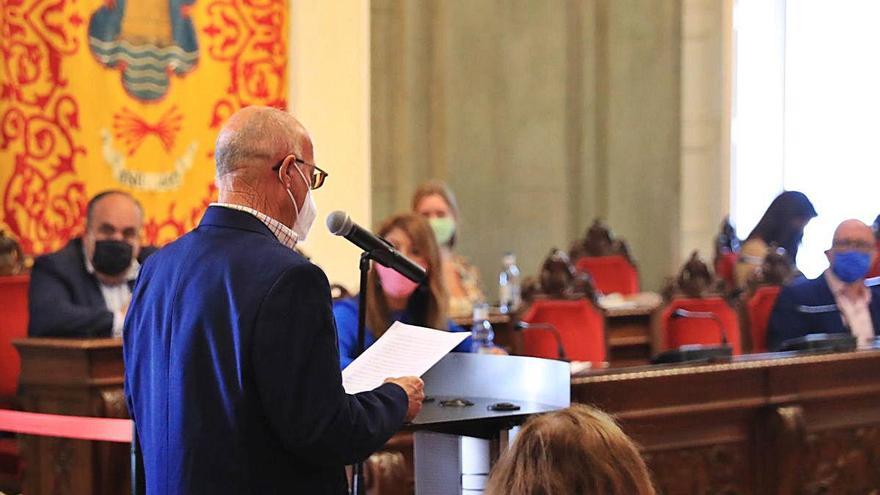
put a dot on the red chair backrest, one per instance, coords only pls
(677, 332)
(13, 325)
(759, 307)
(580, 325)
(610, 273)
(725, 268)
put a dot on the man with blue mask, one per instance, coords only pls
(840, 300)
(231, 364)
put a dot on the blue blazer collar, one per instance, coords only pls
(218, 216)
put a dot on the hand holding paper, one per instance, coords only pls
(404, 350)
(415, 394)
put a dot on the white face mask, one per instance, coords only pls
(306, 217)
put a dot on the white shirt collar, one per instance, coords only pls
(283, 233)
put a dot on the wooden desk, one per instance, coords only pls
(797, 425)
(629, 330)
(82, 377)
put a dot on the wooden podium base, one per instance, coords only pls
(80, 377)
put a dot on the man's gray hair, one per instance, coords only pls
(256, 135)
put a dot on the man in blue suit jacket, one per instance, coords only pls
(231, 363)
(839, 301)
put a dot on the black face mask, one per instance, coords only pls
(112, 257)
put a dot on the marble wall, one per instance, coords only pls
(545, 115)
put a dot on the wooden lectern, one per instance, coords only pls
(80, 377)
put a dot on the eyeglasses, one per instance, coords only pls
(318, 175)
(847, 244)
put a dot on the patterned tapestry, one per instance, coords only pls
(125, 94)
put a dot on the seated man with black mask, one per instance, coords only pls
(84, 289)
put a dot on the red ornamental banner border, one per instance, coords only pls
(44, 200)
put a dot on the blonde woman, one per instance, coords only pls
(436, 202)
(579, 450)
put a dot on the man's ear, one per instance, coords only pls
(285, 170)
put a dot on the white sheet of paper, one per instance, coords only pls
(403, 350)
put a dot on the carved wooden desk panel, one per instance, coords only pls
(796, 425)
(75, 377)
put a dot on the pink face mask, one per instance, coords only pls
(393, 283)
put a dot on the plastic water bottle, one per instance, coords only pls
(482, 335)
(508, 285)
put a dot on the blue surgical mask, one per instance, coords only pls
(850, 266)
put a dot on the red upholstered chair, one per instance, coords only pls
(610, 273)
(580, 325)
(13, 325)
(758, 309)
(725, 268)
(675, 332)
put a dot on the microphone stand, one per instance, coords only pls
(704, 315)
(358, 486)
(560, 349)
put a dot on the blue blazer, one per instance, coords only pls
(231, 369)
(808, 306)
(64, 299)
(346, 313)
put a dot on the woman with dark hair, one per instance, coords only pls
(576, 450)
(436, 202)
(392, 297)
(782, 226)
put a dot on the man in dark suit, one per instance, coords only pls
(84, 289)
(231, 363)
(839, 301)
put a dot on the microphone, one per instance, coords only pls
(705, 315)
(560, 349)
(380, 250)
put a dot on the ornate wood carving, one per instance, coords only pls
(600, 241)
(726, 241)
(695, 280)
(844, 461)
(113, 402)
(713, 470)
(559, 280)
(803, 425)
(780, 436)
(63, 457)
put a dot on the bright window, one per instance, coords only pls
(807, 113)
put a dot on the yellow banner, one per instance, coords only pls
(125, 95)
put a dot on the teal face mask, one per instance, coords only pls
(443, 228)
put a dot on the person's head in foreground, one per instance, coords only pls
(852, 252)
(578, 450)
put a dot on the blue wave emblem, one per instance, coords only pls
(148, 42)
